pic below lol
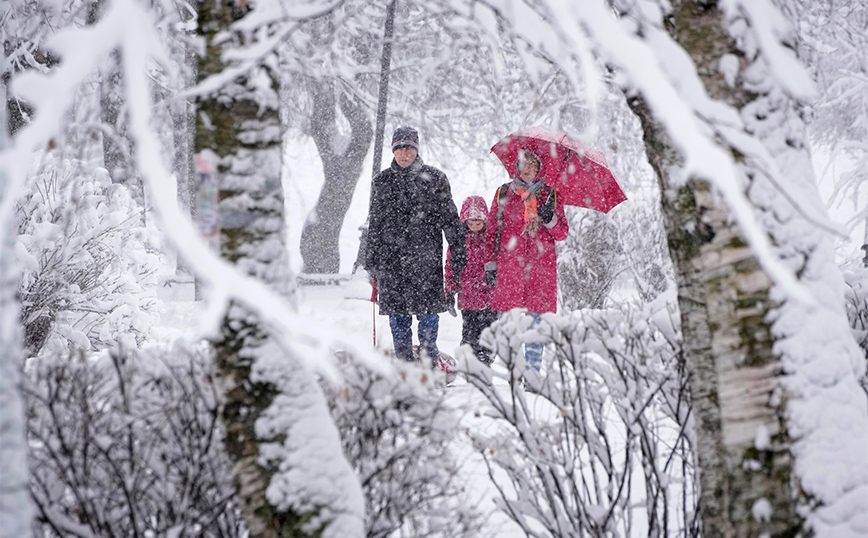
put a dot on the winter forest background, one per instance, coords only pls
(186, 342)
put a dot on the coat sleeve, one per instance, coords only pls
(447, 279)
(560, 227)
(374, 236)
(451, 224)
(491, 225)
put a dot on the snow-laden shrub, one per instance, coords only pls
(398, 433)
(856, 302)
(127, 444)
(588, 261)
(89, 267)
(596, 445)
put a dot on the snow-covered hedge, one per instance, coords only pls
(398, 432)
(598, 444)
(127, 444)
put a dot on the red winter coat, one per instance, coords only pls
(474, 293)
(527, 269)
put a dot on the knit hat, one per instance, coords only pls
(474, 208)
(405, 137)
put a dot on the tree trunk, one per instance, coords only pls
(725, 301)
(240, 124)
(15, 507)
(292, 480)
(246, 224)
(320, 245)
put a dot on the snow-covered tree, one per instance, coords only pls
(832, 43)
(291, 477)
(752, 347)
(15, 508)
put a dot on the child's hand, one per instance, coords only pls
(450, 305)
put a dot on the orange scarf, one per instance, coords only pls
(530, 203)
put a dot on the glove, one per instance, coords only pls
(546, 212)
(491, 277)
(450, 305)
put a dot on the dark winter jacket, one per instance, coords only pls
(411, 209)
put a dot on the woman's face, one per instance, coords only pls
(528, 171)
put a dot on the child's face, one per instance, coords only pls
(475, 225)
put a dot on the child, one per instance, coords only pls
(474, 294)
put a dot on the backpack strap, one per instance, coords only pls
(501, 201)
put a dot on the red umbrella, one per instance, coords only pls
(580, 175)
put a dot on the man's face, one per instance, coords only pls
(405, 156)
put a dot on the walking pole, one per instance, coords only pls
(374, 308)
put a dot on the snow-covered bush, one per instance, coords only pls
(856, 302)
(587, 260)
(643, 244)
(126, 444)
(398, 432)
(89, 268)
(596, 445)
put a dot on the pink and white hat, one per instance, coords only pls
(474, 208)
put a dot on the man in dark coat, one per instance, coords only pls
(411, 209)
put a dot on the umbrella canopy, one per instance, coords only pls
(580, 175)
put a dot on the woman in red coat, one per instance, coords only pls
(523, 224)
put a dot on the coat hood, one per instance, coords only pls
(474, 208)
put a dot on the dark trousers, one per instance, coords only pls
(474, 322)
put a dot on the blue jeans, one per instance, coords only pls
(532, 351)
(402, 336)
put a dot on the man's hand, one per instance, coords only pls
(450, 305)
(491, 277)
